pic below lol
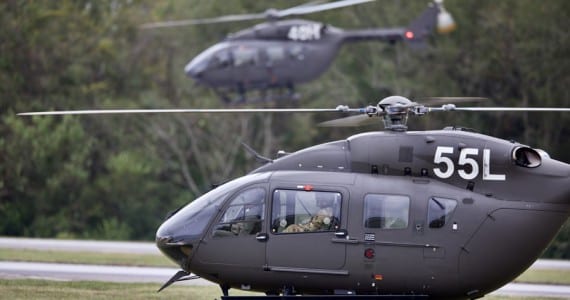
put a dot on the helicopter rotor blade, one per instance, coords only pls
(446, 100)
(310, 3)
(198, 110)
(452, 107)
(303, 10)
(222, 19)
(306, 8)
(365, 115)
(352, 121)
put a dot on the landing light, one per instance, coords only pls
(409, 35)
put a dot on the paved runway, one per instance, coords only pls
(53, 271)
(79, 245)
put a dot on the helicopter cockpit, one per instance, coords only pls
(215, 65)
(244, 215)
(178, 235)
(217, 56)
(296, 211)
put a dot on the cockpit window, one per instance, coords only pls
(386, 211)
(305, 211)
(222, 59)
(244, 215)
(191, 221)
(439, 211)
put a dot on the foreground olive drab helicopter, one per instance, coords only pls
(280, 54)
(445, 213)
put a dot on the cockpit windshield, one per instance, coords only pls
(191, 221)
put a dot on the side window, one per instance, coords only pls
(386, 211)
(244, 56)
(244, 215)
(296, 52)
(439, 211)
(305, 211)
(275, 54)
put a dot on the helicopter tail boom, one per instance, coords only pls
(378, 34)
(434, 16)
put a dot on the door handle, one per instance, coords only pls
(341, 233)
(262, 237)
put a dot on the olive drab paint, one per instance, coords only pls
(419, 213)
(280, 54)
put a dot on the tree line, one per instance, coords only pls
(116, 177)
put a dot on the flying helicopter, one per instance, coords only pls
(442, 213)
(279, 54)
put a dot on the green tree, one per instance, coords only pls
(117, 176)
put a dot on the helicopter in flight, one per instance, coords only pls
(442, 213)
(279, 54)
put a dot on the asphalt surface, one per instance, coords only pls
(52, 271)
(79, 245)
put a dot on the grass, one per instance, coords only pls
(546, 276)
(45, 289)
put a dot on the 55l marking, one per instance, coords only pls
(466, 158)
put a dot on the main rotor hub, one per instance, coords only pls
(272, 14)
(395, 112)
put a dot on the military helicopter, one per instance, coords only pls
(280, 54)
(444, 213)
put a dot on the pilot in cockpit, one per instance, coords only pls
(323, 219)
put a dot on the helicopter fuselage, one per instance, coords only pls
(256, 59)
(444, 213)
(277, 54)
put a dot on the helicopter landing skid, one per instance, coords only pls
(320, 297)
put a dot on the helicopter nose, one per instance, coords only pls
(178, 252)
(180, 234)
(173, 243)
(195, 68)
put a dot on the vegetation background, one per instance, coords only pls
(116, 177)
